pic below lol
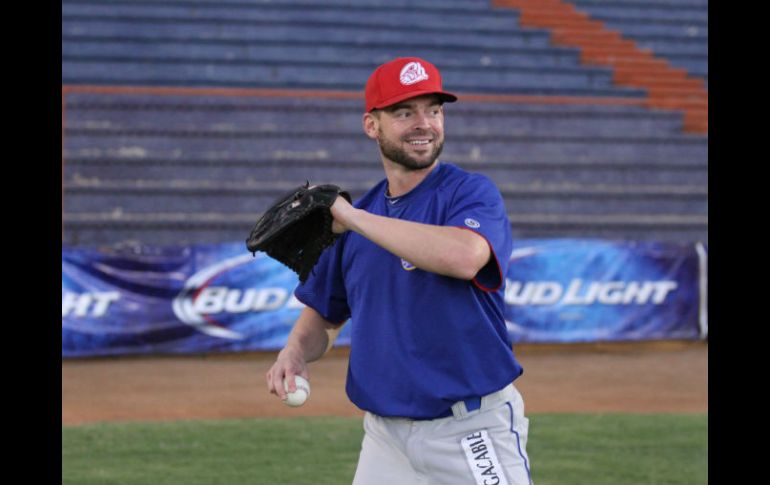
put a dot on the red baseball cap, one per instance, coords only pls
(403, 78)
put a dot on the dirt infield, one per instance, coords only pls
(640, 377)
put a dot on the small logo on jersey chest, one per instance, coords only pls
(472, 223)
(407, 265)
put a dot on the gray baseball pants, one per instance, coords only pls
(484, 446)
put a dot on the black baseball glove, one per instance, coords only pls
(297, 227)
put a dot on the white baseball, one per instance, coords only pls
(298, 397)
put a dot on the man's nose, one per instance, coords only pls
(421, 120)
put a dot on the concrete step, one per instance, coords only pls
(220, 121)
(257, 31)
(421, 15)
(623, 172)
(146, 196)
(102, 228)
(197, 6)
(313, 52)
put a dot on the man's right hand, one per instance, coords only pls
(310, 338)
(288, 364)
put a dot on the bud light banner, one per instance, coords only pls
(220, 298)
(203, 298)
(573, 290)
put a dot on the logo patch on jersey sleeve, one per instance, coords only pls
(407, 265)
(472, 223)
(482, 459)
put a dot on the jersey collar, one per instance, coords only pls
(427, 183)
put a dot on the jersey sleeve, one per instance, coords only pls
(478, 206)
(324, 289)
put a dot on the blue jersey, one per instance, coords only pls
(420, 341)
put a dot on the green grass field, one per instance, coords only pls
(565, 449)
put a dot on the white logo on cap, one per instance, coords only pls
(412, 73)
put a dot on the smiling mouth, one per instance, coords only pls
(418, 142)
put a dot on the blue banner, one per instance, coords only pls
(220, 298)
(203, 298)
(573, 290)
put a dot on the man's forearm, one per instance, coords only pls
(311, 336)
(449, 251)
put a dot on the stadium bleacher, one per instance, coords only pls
(167, 167)
(676, 30)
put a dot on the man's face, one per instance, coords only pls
(411, 133)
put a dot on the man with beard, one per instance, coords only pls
(419, 269)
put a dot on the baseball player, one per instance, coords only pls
(419, 268)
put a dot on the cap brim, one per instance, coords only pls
(443, 95)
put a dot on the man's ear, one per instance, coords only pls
(371, 125)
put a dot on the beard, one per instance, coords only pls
(398, 155)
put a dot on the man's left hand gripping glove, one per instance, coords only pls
(297, 227)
